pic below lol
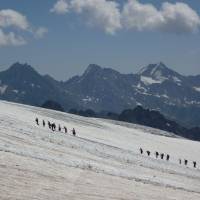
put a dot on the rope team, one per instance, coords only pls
(162, 155)
(52, 126)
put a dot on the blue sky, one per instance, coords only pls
(62, 41)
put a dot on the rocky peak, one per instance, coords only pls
(92, 68)
(160, 72)
(18, 67)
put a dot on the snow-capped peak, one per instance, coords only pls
(151, 69)
(159, 73)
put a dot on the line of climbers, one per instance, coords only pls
(52, 126)
(162, 155)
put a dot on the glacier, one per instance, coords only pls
(102, 162)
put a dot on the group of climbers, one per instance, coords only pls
(52, 126)
(162, 156)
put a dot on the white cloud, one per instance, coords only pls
(99, 13)
(40, 32)
(173, 18)
(102, 14)
(60, 7)
(109, 16)
(179, 18)
(141, 16)
(10, 39)
(12, 18)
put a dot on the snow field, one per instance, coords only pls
(102, 162)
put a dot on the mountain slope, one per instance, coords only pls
(102, 162)
(102, 89)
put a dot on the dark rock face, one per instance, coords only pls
(53, 106)
(154, 119)
(149, 118)
(85, 113)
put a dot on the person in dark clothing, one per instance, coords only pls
(141, 150)
(73, 132)
(59, 128)
(50, 125)
(186, 162)
(148, 153)
(65, 128)
(37, 121)
(43, 122)
(167, 158)
(157, 154)
(180, 161)
(194, 164)
(162, 156)
(53, 127)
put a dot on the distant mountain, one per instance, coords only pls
(21, 83)
(103, 89)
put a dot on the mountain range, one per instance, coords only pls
(106, 90)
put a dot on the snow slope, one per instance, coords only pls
(102, 162)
